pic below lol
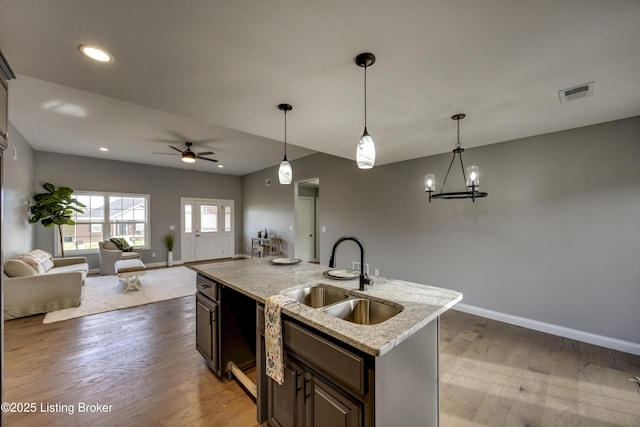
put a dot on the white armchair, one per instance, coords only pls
(109, 254)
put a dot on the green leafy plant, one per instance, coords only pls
(55, 208)
(169, 240)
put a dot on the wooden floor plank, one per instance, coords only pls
(143, 362)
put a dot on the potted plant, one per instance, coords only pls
(55, 207)
(169, 240)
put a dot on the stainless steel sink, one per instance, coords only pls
(363, 311)
(317, 296)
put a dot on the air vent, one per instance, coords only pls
(576, 92)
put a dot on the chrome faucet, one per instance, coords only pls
(364, 278)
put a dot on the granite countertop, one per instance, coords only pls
(259, 279)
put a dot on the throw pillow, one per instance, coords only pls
(17, 268)
(121, 244)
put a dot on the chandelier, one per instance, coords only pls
(471, 178)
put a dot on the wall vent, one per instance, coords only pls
(576, 92)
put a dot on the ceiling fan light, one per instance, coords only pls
(188, 157)
(285, 172)
(366, 151)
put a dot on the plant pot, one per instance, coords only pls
(170, 259)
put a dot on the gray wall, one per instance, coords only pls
(164, 185)
(556, 241)
(17, 178)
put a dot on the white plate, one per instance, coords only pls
(343, 274)
(285, 261)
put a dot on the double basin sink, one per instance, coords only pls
(338, 303)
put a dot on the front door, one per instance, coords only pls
(207, 229)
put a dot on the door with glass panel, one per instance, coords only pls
(207, 229)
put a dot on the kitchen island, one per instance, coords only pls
(389, 374)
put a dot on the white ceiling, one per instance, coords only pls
(214, 71)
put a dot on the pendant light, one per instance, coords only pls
(366, 151)
(285, 173)
(471, 177)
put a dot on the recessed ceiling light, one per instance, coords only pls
(104, 149)
(220, 166)
(95, 53)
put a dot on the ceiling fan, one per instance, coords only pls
(188, 156)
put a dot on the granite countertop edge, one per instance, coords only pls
(258, 279)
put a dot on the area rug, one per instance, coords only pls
(104, 293)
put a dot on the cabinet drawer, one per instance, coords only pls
(330, 358)
(207, 287)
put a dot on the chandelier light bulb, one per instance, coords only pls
(473, 176)
(429, 182)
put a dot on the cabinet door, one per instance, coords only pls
(325, 406)
(285, 401)
(206, 331)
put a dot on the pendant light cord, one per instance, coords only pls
(365, 96)
(285, 134)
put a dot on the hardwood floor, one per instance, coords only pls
(502, 375)
(142, 361)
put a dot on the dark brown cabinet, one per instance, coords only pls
(327, 406)
(225, 326)
(207, 328)
(286, 401)
(206, 340)
(314, 393)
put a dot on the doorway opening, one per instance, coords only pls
(307, 207)
(207, 229)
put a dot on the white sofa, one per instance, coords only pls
(35, 283)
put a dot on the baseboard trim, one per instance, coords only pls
(600, 340)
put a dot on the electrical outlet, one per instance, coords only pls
(356, 266)
(376, 272)
(153, 254)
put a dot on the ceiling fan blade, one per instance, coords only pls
(168, 154)
(206, 153)
(206, 158)
(177, 149)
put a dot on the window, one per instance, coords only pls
(188, 219)
(208, 219)
(107, 215)
(227, 218)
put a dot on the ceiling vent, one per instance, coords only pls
(576, 92)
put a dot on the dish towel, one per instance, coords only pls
(273, 336)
